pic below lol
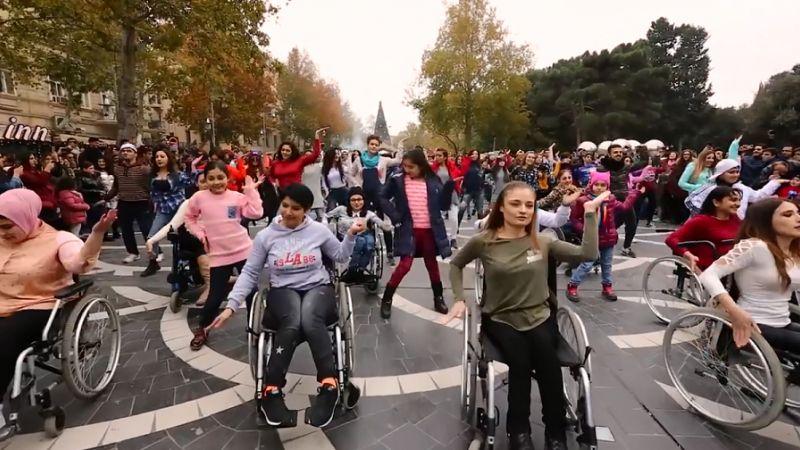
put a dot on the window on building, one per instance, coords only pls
(6, 82)
(107, 106)
(86, 100)
(57, 92)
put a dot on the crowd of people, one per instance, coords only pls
(415, 201)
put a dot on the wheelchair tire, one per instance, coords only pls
(175, 302)
(660, 296)
(350, 396)
(75, 347)
(572, 329)
(710, 335)
(54, 421)
(254, 326)
(479, 282)
(372, 286)
(348, 326)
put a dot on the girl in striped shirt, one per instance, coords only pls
(414, 200)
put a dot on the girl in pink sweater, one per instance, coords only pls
(215, 217)
(70, 203)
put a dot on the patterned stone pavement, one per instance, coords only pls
(166, 397)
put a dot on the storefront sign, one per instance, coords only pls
(18, 131)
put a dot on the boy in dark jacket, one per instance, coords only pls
(93, 191)
(599, 183)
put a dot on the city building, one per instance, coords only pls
(44, 105)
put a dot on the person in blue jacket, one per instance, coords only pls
(413, 200)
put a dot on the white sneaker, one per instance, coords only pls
(131, 258)
(160, 257)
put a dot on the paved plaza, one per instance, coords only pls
(165, 396)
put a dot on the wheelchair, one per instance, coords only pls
(669, 285)
(743, 388)
(479, 372)
(82, 339)
(374, 271)
(185, 278)
(260, 338)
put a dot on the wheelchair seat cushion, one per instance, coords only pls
(566, 355)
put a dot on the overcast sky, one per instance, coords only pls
(373, 48)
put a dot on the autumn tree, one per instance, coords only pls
(473, 80)
(306, 101)
(122, 44)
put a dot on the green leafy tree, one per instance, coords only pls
(597, 96)
(776, 107)
(682, 49)
(473, 75)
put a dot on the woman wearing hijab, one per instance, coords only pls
(36, 261)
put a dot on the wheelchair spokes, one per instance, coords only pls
(730, 386)
(91, 346)
(669, 287)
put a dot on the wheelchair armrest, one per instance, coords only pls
(696, 243)
(567, 356)
(74, 289)
(794, 309)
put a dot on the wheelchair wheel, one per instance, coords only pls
(572, 329)
(254, 329)
(715, 378)
(469, 371)
(175, 302)
(479, 282)
(669, 287)
(757, 377)
(90, 347)
(348, 325)
(54, 421)
(350, 395)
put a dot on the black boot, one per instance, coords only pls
(520, 441)
(438, 298)
(386, 302)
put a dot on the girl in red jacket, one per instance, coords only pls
(70, 202)
(37, 178)
(599, 183)
(287, 166)
(717, 222)
(450, 175)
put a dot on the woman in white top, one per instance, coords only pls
(333, 179)
(765, 264)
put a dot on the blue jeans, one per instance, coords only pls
(363, 250)
(159, 220)
(606, 258)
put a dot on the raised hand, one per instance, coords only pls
(569, 199)
(105, 222)
(592, 205)
(251, 183)
(358, 226)
(319, 134)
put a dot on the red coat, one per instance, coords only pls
(786, 189)
(39, 181)
(453, 170)
(236, 176)
(286, 172)
(607, 232)
(73, 208)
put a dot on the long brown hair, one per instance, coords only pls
(495, 220)
(699, 163)
(758, 224)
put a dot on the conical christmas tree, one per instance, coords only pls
(381, 129)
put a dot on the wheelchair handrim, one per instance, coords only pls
(77, 363)
(662, 312)
(773, 400)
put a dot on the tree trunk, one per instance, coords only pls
(127, 112)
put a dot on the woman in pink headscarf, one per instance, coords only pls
(36, 261)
